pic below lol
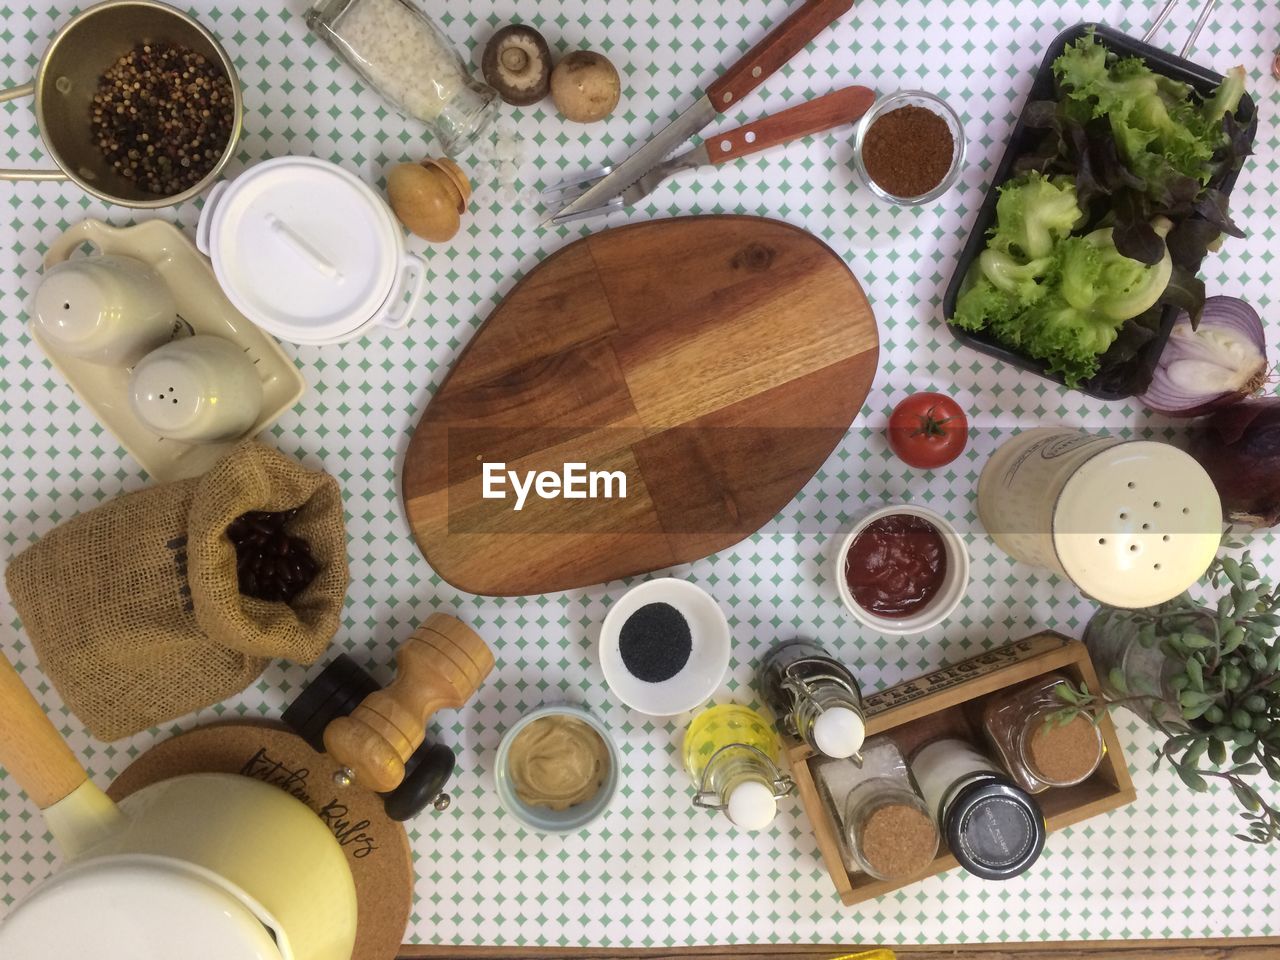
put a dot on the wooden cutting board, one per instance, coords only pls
(713, 361)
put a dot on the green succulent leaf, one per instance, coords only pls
(1195, 641)
(1192, 779)
(1231, 639)
(1195, 673)
(1248, 798)
(1116, 678)
(1242, 754)
(1232, 569)
(1194, 698)
(1195, 752)
(1217, 751)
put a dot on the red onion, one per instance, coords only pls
(1213, 365)
(1239, 448)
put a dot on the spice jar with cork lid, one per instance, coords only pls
(1037, 751)
(815, 697)
(886, 830)
(993, 827)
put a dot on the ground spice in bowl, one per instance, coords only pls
(908, 151)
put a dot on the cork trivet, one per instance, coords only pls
(898, 840)
(376, 846)
(1065, 754)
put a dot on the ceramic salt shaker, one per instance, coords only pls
(109, 310)
(198, 389)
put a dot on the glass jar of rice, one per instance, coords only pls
(403, 55)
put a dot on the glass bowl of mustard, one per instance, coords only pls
(557, 769)
(909, 147)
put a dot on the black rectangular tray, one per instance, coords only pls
(1023, 139)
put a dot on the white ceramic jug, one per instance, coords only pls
(202, 866)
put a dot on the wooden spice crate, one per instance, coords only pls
(946, 703)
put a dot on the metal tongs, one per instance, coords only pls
(1167, 9)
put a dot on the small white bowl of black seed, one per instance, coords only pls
(664, 647)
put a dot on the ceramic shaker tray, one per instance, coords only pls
(201, 303)
(947, 703)
(714, 362)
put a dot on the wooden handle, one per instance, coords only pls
(31, 750)
(783, 42)
(832, 110)
(438, 668)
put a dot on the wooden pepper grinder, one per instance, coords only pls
(440, 667)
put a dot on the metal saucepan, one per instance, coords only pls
(67, 78)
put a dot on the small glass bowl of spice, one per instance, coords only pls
(909, 147)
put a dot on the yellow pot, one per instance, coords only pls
(205, 866)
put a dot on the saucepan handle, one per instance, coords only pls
(14, 93)
(31, 750)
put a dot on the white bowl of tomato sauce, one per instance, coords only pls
(902, 570)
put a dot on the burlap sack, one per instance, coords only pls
(134, 610)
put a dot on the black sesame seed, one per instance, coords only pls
(655, 642)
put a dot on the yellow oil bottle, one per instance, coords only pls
(731, 753)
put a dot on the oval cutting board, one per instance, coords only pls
(715, 362)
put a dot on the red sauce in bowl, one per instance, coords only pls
(896, 565)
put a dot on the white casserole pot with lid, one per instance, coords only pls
(309, 252)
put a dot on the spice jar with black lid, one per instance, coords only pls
(815, 697)
(993, 827)
(1036, 750)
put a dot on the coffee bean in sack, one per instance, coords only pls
(271, 564)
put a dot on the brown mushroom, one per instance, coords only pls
(585, 87)
(517, 63)
(430, 197)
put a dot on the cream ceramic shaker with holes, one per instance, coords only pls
(200, 389)
(109, 310)
(309, 252)
(1132, 523)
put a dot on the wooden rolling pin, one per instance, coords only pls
(439, 668)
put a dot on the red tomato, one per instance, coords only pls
(928, 430)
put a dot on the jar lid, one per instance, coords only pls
(839, 732)
(134, 908)
(995, 829)
(752, 805)
(303, 248)
(1137, 524)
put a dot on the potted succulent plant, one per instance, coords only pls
(1208, 678)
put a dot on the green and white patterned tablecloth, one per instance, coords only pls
(655, 871)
